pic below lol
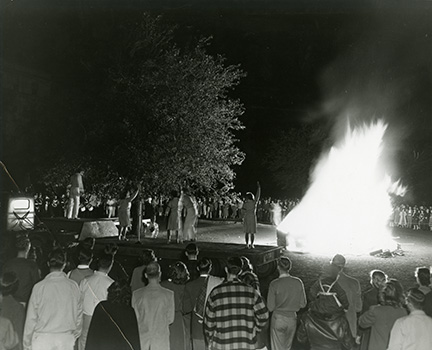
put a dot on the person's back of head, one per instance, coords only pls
(392, 294)
(423, 276)
(191, 250)
(378, 278)
(88, 242)
(415, 299)
(234, 266)
(8, 283)
(120, 292)
(105, 262)
(178, 273)
(111, 248)
(339, 261)
(249, 196)
(246, 264)
(147, 256)
(57, 259)
(204, 266)
(153, 271)
(22, 245)
(85, 256)
(284, 264)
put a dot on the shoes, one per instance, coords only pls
(248, 246)
(252, 246)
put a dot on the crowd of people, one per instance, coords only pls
(269, 210)
(412, 216)
(88, 301)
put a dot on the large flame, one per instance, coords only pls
(347, 207)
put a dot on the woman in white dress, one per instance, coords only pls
(188, 203)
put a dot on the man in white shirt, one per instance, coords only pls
(412, 332)
(94, 289)
(54, 313)
(75, 191)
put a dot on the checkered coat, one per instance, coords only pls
(235, 313)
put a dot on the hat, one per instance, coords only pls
(338, 260)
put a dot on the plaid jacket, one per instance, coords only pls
(235, 313)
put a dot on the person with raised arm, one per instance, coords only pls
(249, 216)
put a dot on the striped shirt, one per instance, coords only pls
(235, 313)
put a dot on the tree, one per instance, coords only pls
(166, 120)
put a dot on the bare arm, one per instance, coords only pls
(258, 193)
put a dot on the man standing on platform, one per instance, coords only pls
(75, 192)
(351, 286)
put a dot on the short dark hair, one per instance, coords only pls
(246, 264)
(423, 275)
(234, 265)
(57, 258)
(204, 265)
(147, 256)
(153, 270)
(119, 292)
(284, 263)
(85, 255)
(392, 293)
(105, 261)
(9, 283)
(416, 298)
(88, 242)
(191, 248)
(22, 243)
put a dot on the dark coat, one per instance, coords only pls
(324, 333)
(104, 332)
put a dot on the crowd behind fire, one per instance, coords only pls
(269, 210)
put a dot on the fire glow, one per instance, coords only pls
(347, 207)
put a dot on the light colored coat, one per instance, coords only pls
(155, 309)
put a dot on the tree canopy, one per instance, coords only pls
(165, 118)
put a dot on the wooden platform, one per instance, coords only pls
(262, 257)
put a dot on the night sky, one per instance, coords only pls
(305, 60)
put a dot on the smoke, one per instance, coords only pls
(386, 73)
